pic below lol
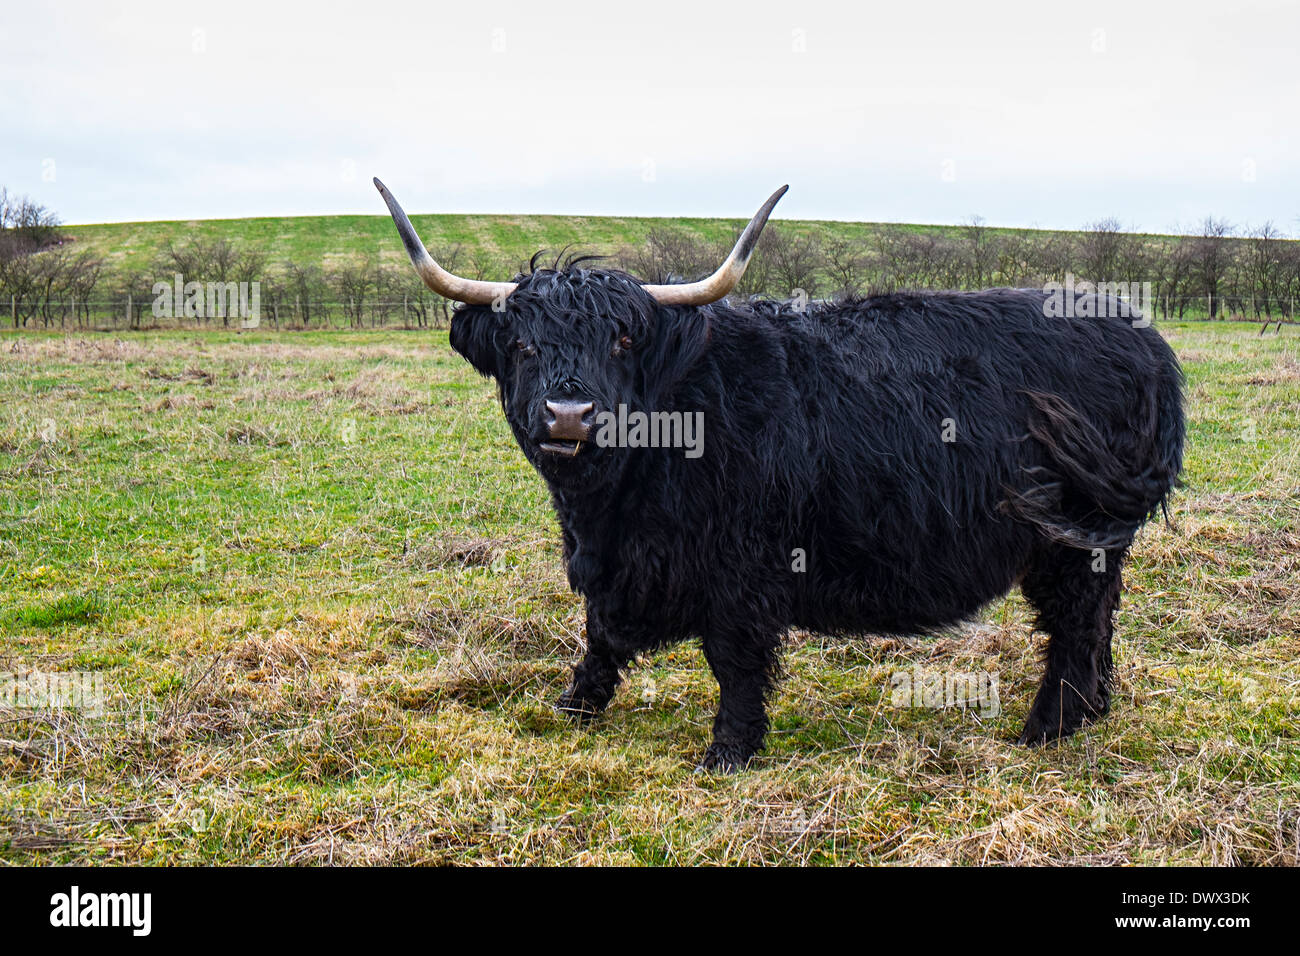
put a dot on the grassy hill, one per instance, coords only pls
(324, 239)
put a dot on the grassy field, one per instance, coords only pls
(324, 240)
(324, 592)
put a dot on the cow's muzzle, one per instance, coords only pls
(568, 425)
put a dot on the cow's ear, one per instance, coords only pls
(681, 340)
(476, 334)
(686, 337)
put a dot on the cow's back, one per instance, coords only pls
(899, 428)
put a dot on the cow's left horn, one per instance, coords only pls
(724, 280)
(449, 286)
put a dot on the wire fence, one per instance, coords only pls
(132, 313)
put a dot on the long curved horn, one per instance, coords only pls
(724, 280)
(435, 276)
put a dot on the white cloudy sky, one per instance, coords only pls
(1026, 113)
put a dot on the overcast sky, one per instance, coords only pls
(1028, 114)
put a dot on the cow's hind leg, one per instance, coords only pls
(745, 665)
(1075, 593)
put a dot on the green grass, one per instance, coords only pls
(318, 239)
(505, 238)
(324, 591)
(64, 609)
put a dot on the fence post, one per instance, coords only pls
(128, 310)
(406, 319)
(13, 308)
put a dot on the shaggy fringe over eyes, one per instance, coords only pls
(567, 291)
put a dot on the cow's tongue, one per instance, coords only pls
(569, 448)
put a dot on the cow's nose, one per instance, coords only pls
(567, 419)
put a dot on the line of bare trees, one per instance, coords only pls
(1216, 271)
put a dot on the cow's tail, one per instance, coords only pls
(1093, 490)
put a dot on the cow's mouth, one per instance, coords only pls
(562, 446)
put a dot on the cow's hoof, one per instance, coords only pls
(724, 758)
(1038, 733)
(1031, 737)
(577, 708)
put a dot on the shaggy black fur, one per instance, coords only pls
(825, 431)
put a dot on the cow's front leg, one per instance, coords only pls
(745, 665)
(597, 675)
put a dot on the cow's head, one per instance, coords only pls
(570, 343)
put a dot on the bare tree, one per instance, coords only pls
(217, 261)
(1212, 260)
(83, 280)
(794, 259)
(980, 253)
(28, 225)
(1016, 265)
(1105, 253)
(911, 258)
(305, 282)
(1264, 267)
(668, 255)
(847, 264)
(353, 280)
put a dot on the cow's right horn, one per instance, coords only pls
(724, 280)
(473, 291)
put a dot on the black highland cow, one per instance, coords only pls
(888, 464)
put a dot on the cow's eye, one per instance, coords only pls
(525, 348)
(624, 344)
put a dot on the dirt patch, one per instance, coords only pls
(1285, 370)
(191, 374)
(471, 552)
